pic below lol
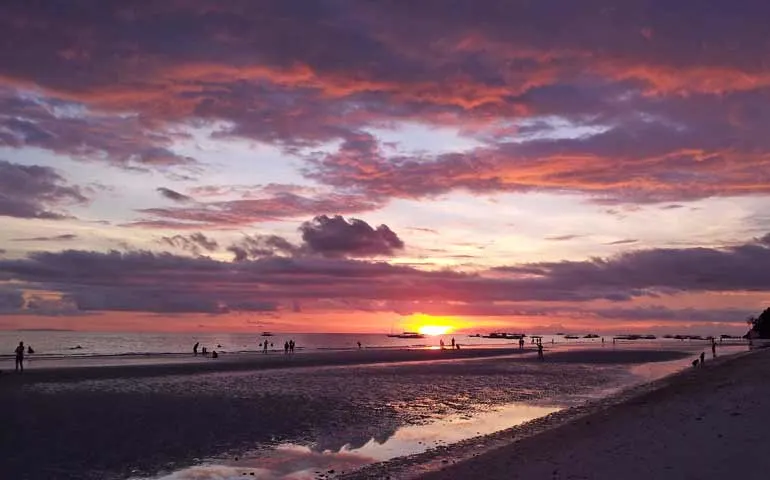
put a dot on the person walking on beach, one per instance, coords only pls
(195, 348)
(20, 358)
(702, 358)
(713, 348)
(540, 351)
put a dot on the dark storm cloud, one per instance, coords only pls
(194, 243)
(32, 191)
(336, 236)
(173, 195)
(677, 94)
(144, 281)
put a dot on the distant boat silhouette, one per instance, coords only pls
(267, 334)
(406, 335)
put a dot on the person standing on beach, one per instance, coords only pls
(20, 358)
(359, 345)
(195, 348)
(264, 348)
(441, 343)
(540, 351)
(286, 347)
(453, 343)
(521, 343)
(713, 348)
(291, 346)
(702, 358)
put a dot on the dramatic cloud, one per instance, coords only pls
(332, 237)
(10, 301)
(658, 103)
(193, 243)
(173, 195)
(34, 192)
(258, 246)
(143, 281)
(337, 237)
(65, 237)
(69, 128)
(236, 213)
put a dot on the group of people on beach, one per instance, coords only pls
(204, 351)
(455, 345)
(288, 347)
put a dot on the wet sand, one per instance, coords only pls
(705, 423)
(74, 368)
(119, 422)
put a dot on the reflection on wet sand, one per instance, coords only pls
(335, 455)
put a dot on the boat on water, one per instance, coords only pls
(506, 336)
(406, 335)
(267, 334)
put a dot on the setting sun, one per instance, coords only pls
(434, 330)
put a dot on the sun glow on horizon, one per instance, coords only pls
(433, 330)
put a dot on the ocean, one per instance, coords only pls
(52, 344)
(56, 343)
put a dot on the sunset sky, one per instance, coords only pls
(357, 166)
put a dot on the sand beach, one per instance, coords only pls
(277, 417)
(703, 423)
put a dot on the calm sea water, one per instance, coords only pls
(64, 343)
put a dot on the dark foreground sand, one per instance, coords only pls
(708, 423)
(115, 422)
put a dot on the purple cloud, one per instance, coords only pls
(133, 280)
(173, 195)
(335, 236)
(65, 237)
(194, 243)
(35, 192)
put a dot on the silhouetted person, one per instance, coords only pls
(195, 348)
(204, 351)
(441, 343)
(291, 346)
(702, 358)
(453, 342)
(20, 357)
(457, 346)
(521, 343)
(214, 354)
(602, 340)
(264, 347)
(713, 349)
(359, 345)
(286, 348)
(29, 349)
(540, 351)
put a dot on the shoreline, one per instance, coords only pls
(495, 456)
(63, 370)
